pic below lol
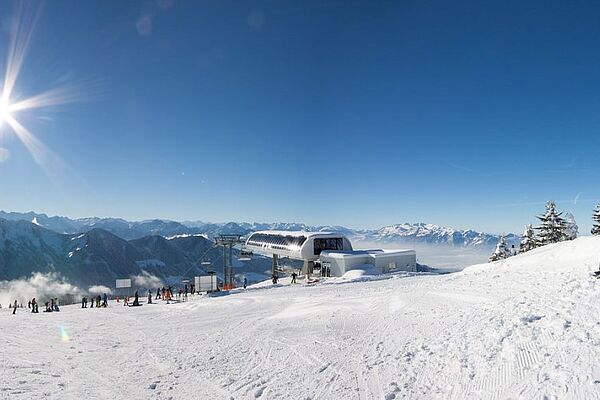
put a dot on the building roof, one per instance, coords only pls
(296, 233)
(359, 253)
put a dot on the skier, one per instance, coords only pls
(34, 306)
(98, 298)
(245, 282)
(136, 299)
(149, 296)
(83, 301)
(92, 302)
(29, 304)
(105, 301)
(294, 275)
(15, 307)
(56, 304)
(157, 294)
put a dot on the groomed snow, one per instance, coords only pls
(525, 328)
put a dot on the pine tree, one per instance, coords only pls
(501, 252)
(571, 228)
(596, 218)
(528, 241)
(552, 227)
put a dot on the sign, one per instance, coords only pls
(206, 283)
(123, 283)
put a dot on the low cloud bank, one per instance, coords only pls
(146, 280)
(99, 289)
(42, 286)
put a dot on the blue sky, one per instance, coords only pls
(337, 112)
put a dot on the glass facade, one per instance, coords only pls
(328, 244)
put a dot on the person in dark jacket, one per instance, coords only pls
(15, 307)
(105, 301)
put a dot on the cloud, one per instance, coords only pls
(146, 280)
(41, 286)
(144, 25)
(99, 289)
(4, 155)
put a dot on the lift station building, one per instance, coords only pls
(332, 252)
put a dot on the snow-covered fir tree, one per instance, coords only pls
(572, 230)
(501, 252)
(528, 240)
(552, 227)
(596, 218)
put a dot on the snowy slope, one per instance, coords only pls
(524, 328)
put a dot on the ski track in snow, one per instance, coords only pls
(527, 327)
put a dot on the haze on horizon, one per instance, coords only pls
(352, 113)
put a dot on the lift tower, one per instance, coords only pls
(228, 241)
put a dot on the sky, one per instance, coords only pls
(359, 113)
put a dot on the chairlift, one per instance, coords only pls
(245, 255)
(205, 261)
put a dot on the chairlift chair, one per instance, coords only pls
(245, 255)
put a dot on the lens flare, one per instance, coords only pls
(63, 334)
(21, 29)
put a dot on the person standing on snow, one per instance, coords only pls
(15, 307)
(245, 282)
(157, 294)
(149, 296)
(294, 275)
(105, 301)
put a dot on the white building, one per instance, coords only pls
(332, 250)
(337, 263)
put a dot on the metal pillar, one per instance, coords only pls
(308, 268)
(274, 266)
(231, 265)
(224, 266)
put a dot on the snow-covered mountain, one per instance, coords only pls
(393, 234)
(120, 227)
(99, 256)
(430, 234)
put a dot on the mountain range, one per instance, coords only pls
(99, 256)
(91, 251)
(128, 230)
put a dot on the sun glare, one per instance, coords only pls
(4, 110)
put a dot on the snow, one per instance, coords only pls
(524, 327)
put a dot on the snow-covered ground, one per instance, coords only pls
(528, 327)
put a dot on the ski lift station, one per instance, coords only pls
(332, 253)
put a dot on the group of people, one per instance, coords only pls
(51, 306)
(166, 293)
(100, 301)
